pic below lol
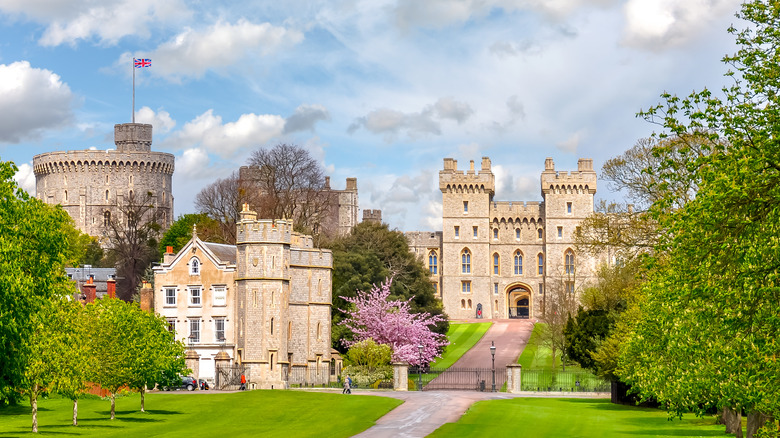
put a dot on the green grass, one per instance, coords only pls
(546, 417)
(250, 413)
(462, 337)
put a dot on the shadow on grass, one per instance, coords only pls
(674, 432)
(16, 410)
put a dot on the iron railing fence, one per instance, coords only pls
(455, 378)
(306, 376)
(559, 381)
(228, 377)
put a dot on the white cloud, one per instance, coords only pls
(570, 144)
(392, 123)
(192, 163)
(305, 117)
(161, 121)
(449, 108)
(68, 21)
(225, 140)
(657, 24)
(191, 53)
(31, 100)
(25, 178)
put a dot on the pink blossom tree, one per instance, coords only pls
(391, 322)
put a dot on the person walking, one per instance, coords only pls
(243, 382)
(347, 385)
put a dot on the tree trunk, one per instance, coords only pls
(553, 356)
(75, 412)
(113, 405)
(754, 422)
(733, 420)
(34, 405)
(143, 393)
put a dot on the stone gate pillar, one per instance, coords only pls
(513, 378)
(400, 376)
(192, 361)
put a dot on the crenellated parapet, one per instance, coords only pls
(108, 161)
(452, 180)
(583, 181)
(253, 230)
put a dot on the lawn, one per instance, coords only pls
(547, 417)
(462, 337)
(208, 414)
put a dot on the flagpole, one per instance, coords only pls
(132, 64)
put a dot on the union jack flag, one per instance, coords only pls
(140, 63)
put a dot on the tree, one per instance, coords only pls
(376, 316)
(367, 256)
(222, 201)
(132, 235)
(71, 331)
(290, 184)
(180, 231)
(560, 304)
(33, 250)
(706, 336)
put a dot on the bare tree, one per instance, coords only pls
(132, 231)
(561, 301)
(291, 184)
(222, 201)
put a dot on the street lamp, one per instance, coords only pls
(493, 354)
(419, 367)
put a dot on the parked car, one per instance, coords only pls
(187, 382)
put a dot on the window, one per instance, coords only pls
(476, 229)
(539, 233)
(106, 195)
(541, 288)
(465, 261)
(495, 233)
(496, 264)
(465, 287)
(219, 296)
(518, 263)
(469, 304)
(194, 331)
(194, 266)
(457, 231)
(541, 264)
(272, 326)
(569, 262)
(560, 232)
(517, 233)
(436, 288)
(170, 296)
(219, 329)
(568, 207)
(194, 296)
(495, 288)
(465, 206)
(106, 218)
(433, 262)
(462, 304)
(171, 325)
(66, 195)
(570, 287)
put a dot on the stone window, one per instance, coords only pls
(272, 326)
(433, 262)
(518, 262)
(170, 296)
(219, 296)
(66, 196)
(171, 325)
(194, 330)
(495, 233)
(106, 195)
(495, 288)
(517, 233)
(560, 232)
(496, 264)
(540, 263)
(194, 266)
(570, 287)
(457, 231)
(540, 233)
(465, 206)
(462, 304)
(465, 287)
(569, 262)
(106, 218)
(568, 207)
(465, 261)
(469, 304)
(219, 329)
(541, 288)
(476, 231)
(195, 296)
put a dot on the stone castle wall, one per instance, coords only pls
(90, 183)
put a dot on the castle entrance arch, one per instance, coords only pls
(519, 301)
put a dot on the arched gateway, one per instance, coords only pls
(519, 301)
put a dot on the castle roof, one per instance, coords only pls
(225, 253)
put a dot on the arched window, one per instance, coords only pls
(495, 233)
(540, 263)
(66, 196)
(462, 304)
(539, 233)
(194, 266)
(469, 304)
(106, 218)
(106, 195)
(272, 326)
(517, 233)
(465, 261)
(433, 262)
(569, 262)
(496, 264)
(319, 330)
(518, 263)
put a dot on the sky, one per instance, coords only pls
(380, 90)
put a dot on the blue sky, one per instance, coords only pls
(380, 90)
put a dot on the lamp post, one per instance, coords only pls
(419, 367)
(493, 354)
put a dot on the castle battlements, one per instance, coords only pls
(453, 180)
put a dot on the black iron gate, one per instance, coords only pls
(456, 379)
(228, 377)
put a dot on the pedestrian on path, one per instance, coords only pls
(243, 382)
(347, 385)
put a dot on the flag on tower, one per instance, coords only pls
(140, 63)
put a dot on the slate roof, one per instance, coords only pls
(225, 253)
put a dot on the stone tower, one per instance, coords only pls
(91, 184)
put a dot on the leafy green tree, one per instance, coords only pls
(33, 250)
(180, 231)
(708, 329)
(71, 329)
(370, 254)
(369, 354)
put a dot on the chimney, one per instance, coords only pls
(327, 183)
(147, 297)
(169, 255)
(351, 184)
(585, 164)
(111, 288)
(89, 289)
